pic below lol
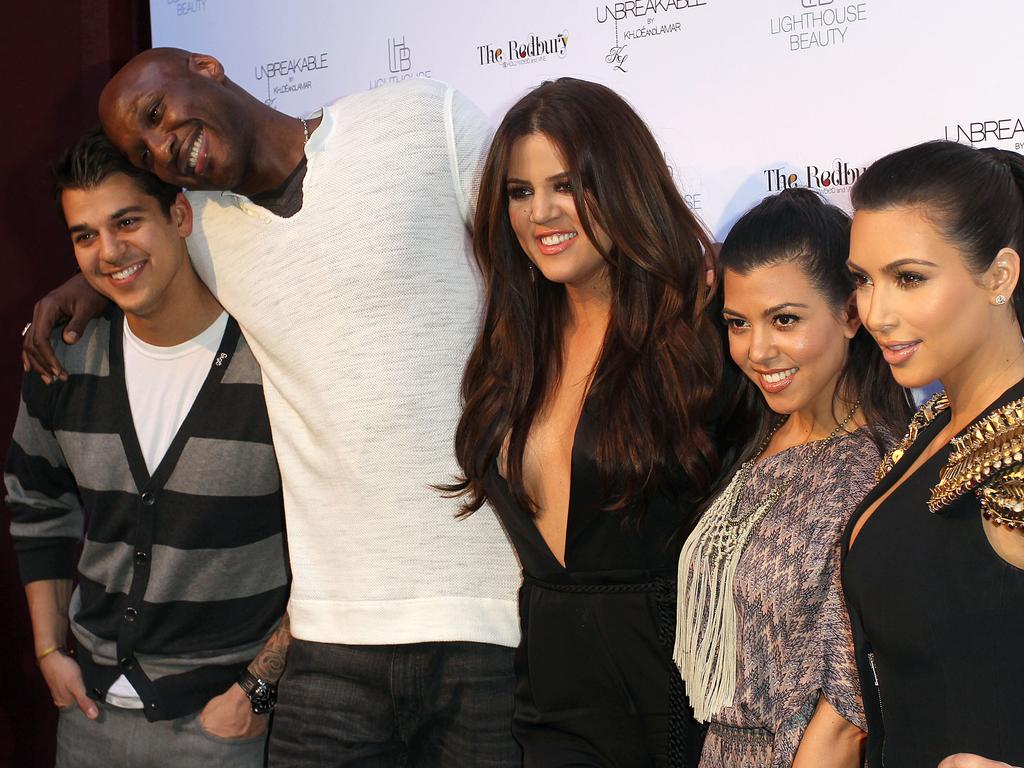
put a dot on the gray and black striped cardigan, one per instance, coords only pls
(183, 575)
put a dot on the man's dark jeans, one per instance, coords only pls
(426, 704)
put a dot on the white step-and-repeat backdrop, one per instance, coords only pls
(746, 96)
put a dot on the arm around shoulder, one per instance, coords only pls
(75, 300)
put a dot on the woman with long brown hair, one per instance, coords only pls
(588, 401)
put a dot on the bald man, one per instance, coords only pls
(339, 243)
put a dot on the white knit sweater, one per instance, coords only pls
(361, 310)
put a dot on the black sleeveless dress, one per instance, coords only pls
(937, 619)
(595, 681)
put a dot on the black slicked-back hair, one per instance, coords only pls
(975, 197)
(92, 159)
(798, 226)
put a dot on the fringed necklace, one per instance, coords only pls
(705, 648)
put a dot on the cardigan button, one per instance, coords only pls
(127, 663)
(130, 615)
(149, 498)
(141, 558)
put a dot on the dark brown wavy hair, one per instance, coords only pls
(660, 366)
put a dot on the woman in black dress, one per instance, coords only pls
(588, 398)
(934, 556)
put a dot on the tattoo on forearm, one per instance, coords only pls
(269, 663)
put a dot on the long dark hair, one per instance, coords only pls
(975, 197)
(661, 361)
(798, 226)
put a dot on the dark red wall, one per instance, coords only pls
(55, 59)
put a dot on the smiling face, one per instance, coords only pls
(128, 247)
(543, 214)
(929, 313)
(785, 337)
(173, 114)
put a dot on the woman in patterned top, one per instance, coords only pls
(763, 640)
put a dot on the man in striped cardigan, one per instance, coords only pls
(158, 448)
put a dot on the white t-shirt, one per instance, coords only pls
(162, 384)
(361, 309)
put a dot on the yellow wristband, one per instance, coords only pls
(48, 651)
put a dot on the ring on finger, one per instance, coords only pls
(25, 329)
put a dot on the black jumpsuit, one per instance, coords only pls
(595, 681)
(938, 622)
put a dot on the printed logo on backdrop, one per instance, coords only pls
(287, 76)
(186, 7)
(689, 183)
(818, 23)
(829, 178)
(524, 50)
(400, 66)
(1005, 133)
(639, 21)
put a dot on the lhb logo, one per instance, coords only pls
(815, 3)
(399, 64)
(399, 55)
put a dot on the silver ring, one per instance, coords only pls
(25, 329)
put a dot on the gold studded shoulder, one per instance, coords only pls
(925, 415)
(1002, 498)
(988, 460)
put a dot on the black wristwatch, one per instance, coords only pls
(262, 694)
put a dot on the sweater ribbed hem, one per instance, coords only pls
(398, 622)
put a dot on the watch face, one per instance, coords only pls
(263, 697)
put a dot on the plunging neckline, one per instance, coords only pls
(904, 471)
(535, 528)
(581, 440)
